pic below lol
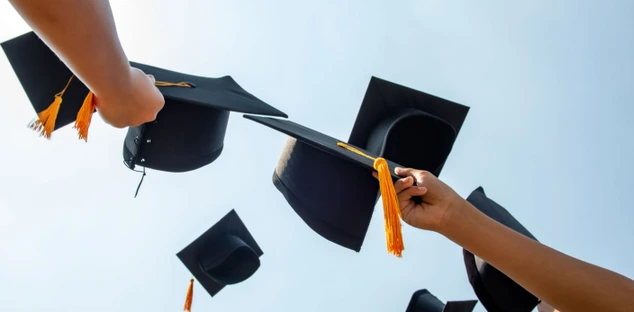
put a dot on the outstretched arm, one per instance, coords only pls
(83, 35)
(566, 283)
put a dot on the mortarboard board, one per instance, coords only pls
(328, 182)
(424, 301)
(187, 134)
(496, 291)
(226, 254)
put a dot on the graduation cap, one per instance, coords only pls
(329, 183)
(187, 134)
(226, 254)
(424, 301)
(496, 291)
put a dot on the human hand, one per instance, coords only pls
(135, 101)
(438, 199)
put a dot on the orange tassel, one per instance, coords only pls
(84, 117)
(391, 208)
(45, 123)
(189, 297)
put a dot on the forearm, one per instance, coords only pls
(568, 284)
(83, 34)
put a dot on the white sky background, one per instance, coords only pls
(549, 136)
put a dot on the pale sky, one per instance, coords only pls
(549, 136)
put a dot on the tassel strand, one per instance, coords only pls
(45, 122)
(189, 297)
(391, 208)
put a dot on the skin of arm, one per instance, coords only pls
(566, 283)
(545, 307)
(83, 34)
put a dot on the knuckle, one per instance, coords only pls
(424, 173)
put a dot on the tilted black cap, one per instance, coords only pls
(226, 254)
(331, 188)
(407, 126)
(189, 131)
(423, 301)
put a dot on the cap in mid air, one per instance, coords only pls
(423, 301)
(329, 183)
(496, 291)
(226, 254)
(187, 134)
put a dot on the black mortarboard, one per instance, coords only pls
(496, 291)
(423, 301)
(187, 134)
(226, 254)
(330, 187)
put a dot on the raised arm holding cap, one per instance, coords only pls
(84, 37)
(485, 229)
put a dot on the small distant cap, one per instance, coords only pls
(226, 254)
(424, 301)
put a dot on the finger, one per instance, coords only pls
(400, 171)
(402, 184)
(152, 78)
(410, 192)
(404, 172)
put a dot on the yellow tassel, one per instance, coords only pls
(45, 123)
(391, 208)
(84, 117)
(189, 297)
